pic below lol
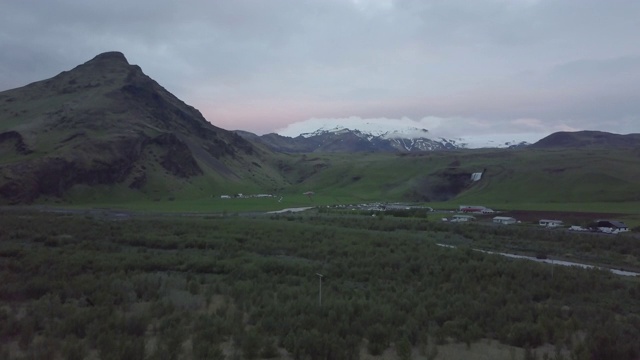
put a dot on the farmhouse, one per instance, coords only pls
(505, 220)
(611, 226)
(550, 223)
(462, 218)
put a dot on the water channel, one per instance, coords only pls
(552, 262)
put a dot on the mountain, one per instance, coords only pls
(588, 139)
(106, 124)
(370, 138)
(106, 133)
(340, 139)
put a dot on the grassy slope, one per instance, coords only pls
(552, 180)
(525, 175)
(568, 180)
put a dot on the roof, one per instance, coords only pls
(548, 220)
(617, 224)
(614, 223)
(503, 218)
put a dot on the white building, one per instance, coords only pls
(462, 218)
(505, 220)
(611, 226)
(550, 223)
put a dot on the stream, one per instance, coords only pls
(551, 262)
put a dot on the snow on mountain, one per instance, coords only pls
(373, 126)
(495, 140)
(412, 138)
(405, 134)
(408, 133)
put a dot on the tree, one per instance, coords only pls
(378, 340)
(250, 343)
(403, 349)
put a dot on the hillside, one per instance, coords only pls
(588, 139)
(537, 178)
(105, 129)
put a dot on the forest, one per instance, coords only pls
(100, 286)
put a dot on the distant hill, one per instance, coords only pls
(106, 124)
(586, 139)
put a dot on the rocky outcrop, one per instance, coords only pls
(177, 159)
(15, 137)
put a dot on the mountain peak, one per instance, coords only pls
(111, 56)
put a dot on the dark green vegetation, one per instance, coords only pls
(108, 287)
(615, 252)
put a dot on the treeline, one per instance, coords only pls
(213, 288)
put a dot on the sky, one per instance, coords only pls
(454, 67)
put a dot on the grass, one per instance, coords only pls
(518, 177)
(207, 204)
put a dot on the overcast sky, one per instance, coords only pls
(455, 67)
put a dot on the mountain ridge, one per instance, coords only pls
(342, 139)
(588, 138)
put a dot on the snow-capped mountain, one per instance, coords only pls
(342, 139)
(410, 139)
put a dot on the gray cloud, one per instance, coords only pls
(260, 65)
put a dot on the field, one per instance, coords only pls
(109, 285)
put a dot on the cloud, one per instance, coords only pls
(260, 65)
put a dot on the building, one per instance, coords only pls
(611, 226)
(550, 223)
(577, 228)
(462, 218)
(472, 209)
(505, 220)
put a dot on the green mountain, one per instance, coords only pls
(105, 130)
